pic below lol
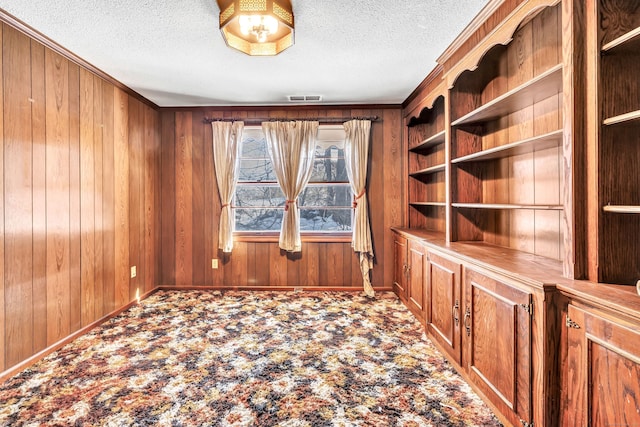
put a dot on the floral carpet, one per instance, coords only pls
(239, 358)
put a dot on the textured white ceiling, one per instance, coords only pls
(171, 51)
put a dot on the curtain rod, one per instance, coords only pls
(258, 120)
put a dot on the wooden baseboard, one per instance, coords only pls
(66, 340)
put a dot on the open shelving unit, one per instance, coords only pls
(506, 143)
(619, 142)
(427, 169)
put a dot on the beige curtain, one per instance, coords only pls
(291, 147)
(226, 155)
(356, 155)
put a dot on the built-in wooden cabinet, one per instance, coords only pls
(444, 302)
(522, 183)
(602, 371)
(400, 266)
(497, 343)
(416, 268)
(618, 43)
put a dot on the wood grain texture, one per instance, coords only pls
(121, 196)
(417, 259)
(168, 200)
(2, 226)
(59, 306)
(38, 121)
(136, 196)
(65, 133)
(18, 188)
(87, 198)
(184, 199)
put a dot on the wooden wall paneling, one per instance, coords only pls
(98, 172)
(198, 188)
(277, 266)
(252, 262)
(87, 198)
(38, 126)
(136, 195)
(211, 206)
(293, 268)
(262, 253)
(334, 263)
(376, 193)
(108, 199)
(151, 207)
(3, 343)
(17, 196)
(347, 266)
(168, 197)
(394, 200)
(184, 198)
(121, 196)
(61, 314)
(75, 254)
(239, 264)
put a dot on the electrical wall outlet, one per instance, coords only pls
(214, 263)
(133, 272)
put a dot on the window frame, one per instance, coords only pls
(305, 236)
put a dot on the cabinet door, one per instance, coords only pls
(443, 303)
(417, 263)
(400, 267)
(497, 322)
(602, 371)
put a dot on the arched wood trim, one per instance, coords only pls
(501, 35)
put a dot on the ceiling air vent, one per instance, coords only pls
(305, 98)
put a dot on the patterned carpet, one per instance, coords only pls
(191, 358)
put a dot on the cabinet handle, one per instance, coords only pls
(467, 317)
(456, 312)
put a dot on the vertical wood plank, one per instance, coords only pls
(198, 186)
(239, 264)
(98, 126)
(74, 197)
(168, 199)
(277, 269)
(151, 225)
(211, 206)
(121, 196)
(262, 268)
(38, 119)
(18, 196)
(392, 206)
(184, 199)
(136, 196)
(87, 199)
(252, 263)
(58, 193)
(157, 207)
(309, 270)
(3, 344)
(108, 199)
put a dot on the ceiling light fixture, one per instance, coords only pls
(257, 27)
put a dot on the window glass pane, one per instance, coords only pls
(326, 195)
(260, 170)
(329, 170)
(254, 144)
(258, 196)
(265, 219)
(337, 220)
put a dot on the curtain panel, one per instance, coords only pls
(291, 146)
(356, 154)
(226, 155)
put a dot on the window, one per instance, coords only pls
(326, 202)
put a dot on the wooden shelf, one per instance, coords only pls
(624, 41)
(429, 170)
(623, 209)
(623, 118)
(537, 143)
(506, 206)
(541, 87)
(433, 140)
(421, 204)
